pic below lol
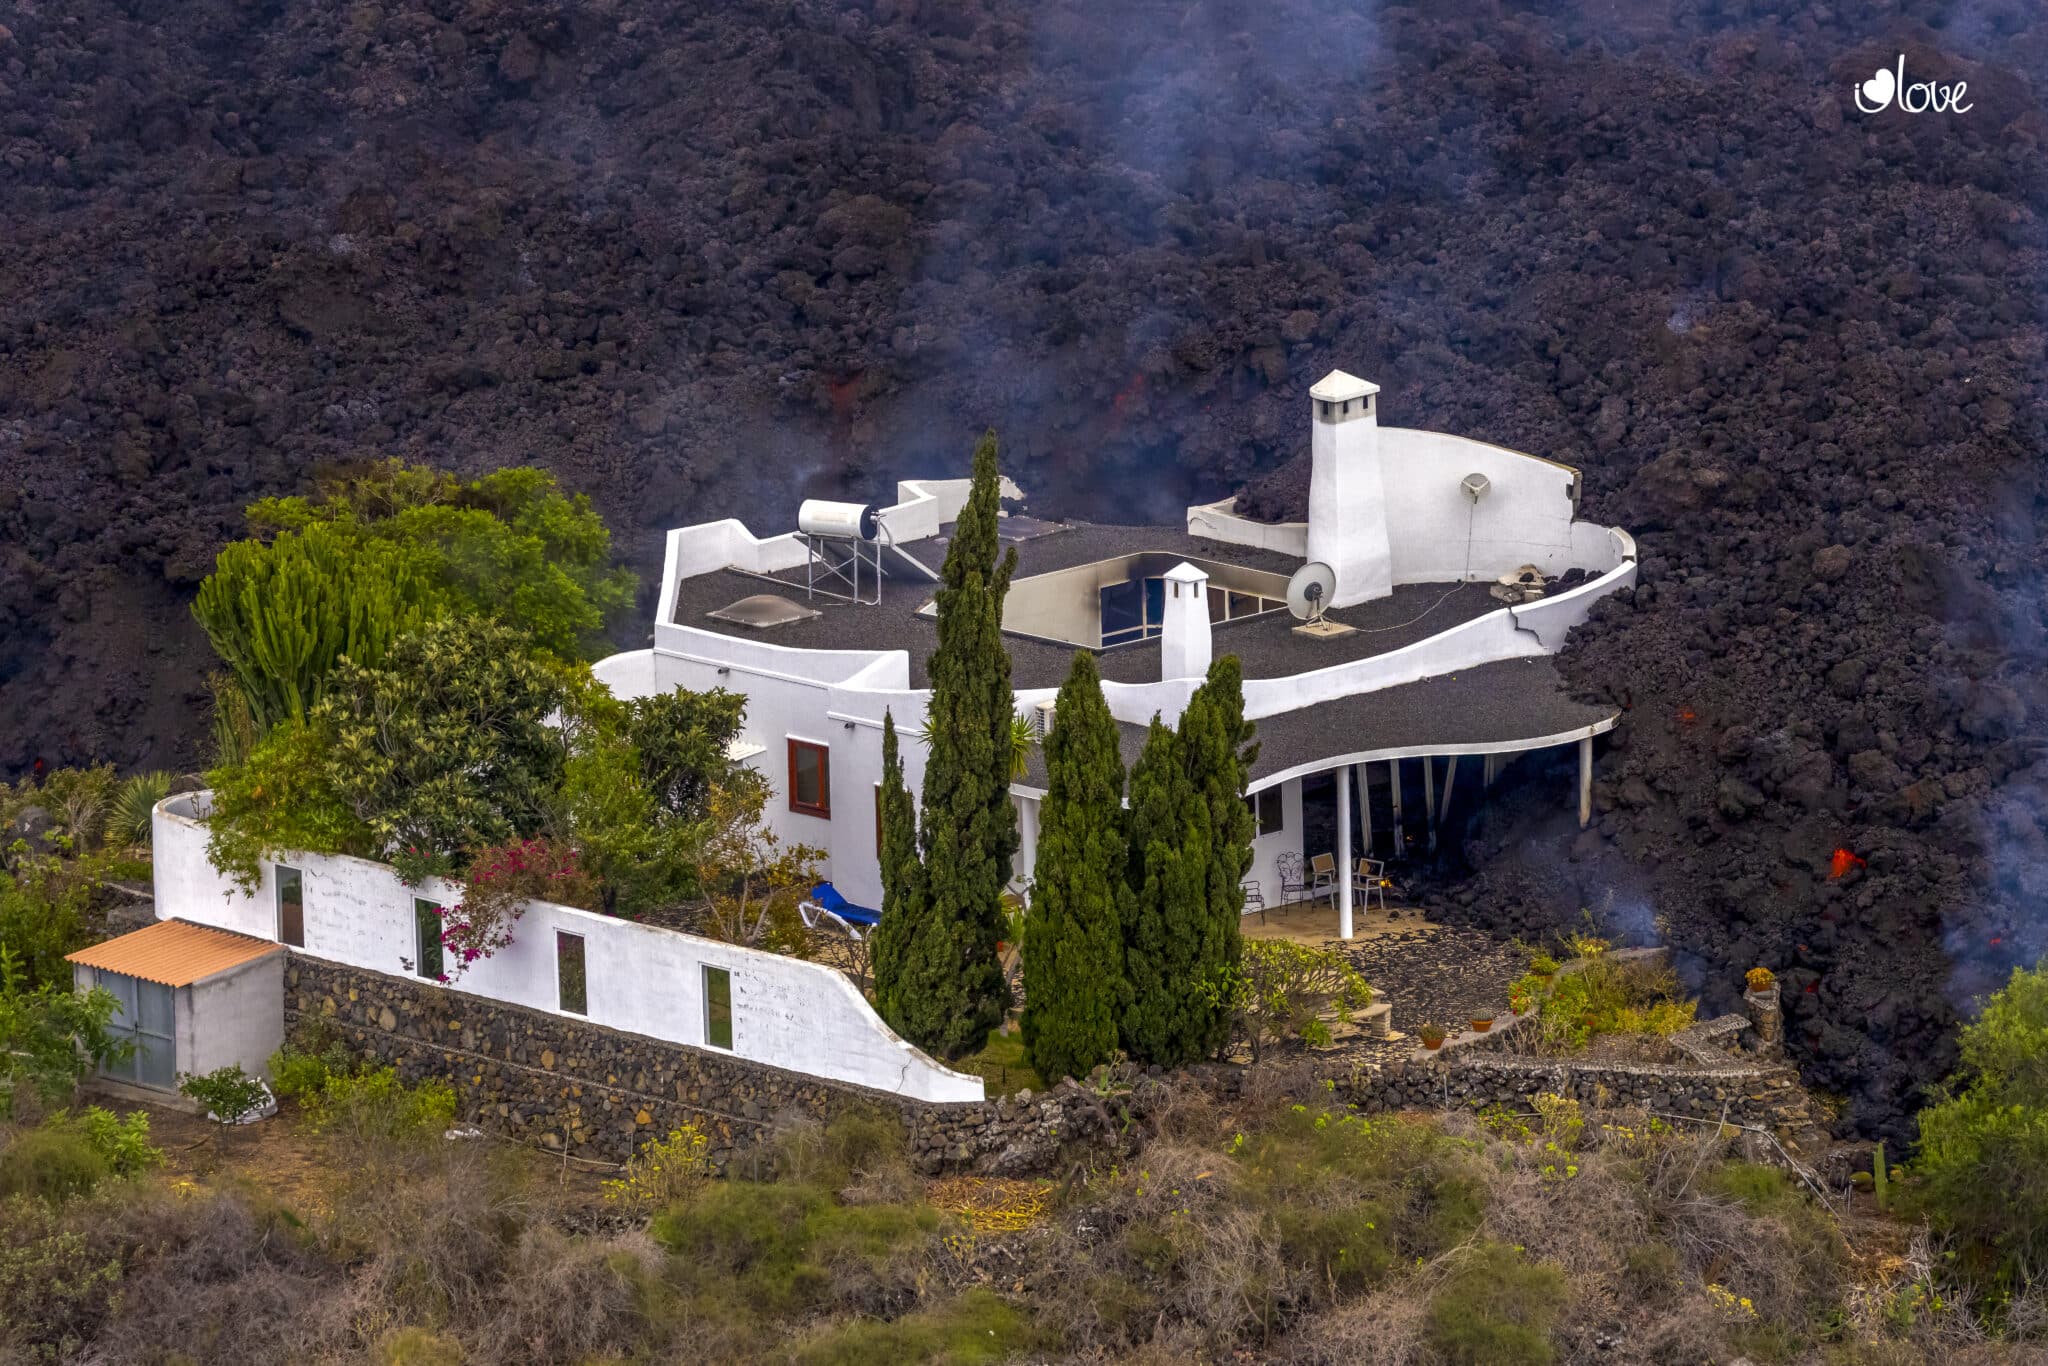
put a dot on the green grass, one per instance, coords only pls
(1001, 1064)
(976, 1327)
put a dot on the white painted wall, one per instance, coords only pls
(1266, 849)
(1439, 535)
(234, 1018)
(1220, 522)
(786, 1012)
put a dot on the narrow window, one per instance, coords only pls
(1265, 808)
(810, 778)
(570, 981)
(718, 1007)
(426, 921)
(291, 907)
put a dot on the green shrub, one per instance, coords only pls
(975, 1327)
(1609, 997)
(376, 1106)
(122, 1142)
(776, 1246)
(55, 1288)
(129, 816)
(53, 1162)
(228, 1093)
(1983, 1164)
(418, 1347)
(1496, 1309)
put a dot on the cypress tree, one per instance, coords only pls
(1073, 951)
(944, 987)
(1190, 845)
(899, 950)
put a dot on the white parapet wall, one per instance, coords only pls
(786, 1012)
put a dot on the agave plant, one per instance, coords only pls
(1023, 739)
(128, 817)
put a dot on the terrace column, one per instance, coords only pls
(1400, 827)
(1365, 808)
(1344, 852)
(1585, 782)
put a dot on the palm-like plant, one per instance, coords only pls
(1023, 739)
(128, 817)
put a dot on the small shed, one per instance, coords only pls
(193, 998)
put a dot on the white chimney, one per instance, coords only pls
(1347, 509)
(1184, 629)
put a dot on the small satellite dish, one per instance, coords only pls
(1308, 592)
(1308, 596)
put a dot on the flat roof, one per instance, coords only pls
(1267, 644)
(1508, 704)
(175, 953)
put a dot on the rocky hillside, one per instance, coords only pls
(698, 259)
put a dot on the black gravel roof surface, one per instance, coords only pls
(1267, 644)
(1504, 702)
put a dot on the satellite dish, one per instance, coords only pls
(1308, 592)
(1308, 595)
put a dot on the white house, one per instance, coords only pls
(1416, 666)
(828, 628)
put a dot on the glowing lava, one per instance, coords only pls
(1842, 862)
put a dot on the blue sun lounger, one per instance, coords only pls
(825, 897)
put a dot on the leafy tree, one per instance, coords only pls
(510, 545)
(387, 546)
(1073, 957)
(51, 1037)
(943, 986)
(282, 797)
(446, 746)
(282, 614)
(1984, 1148)
(42, 918)
(640, 787)
(1190, 846)
(681, 738)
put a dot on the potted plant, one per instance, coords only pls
(1482, 1020)
(1432, 1036)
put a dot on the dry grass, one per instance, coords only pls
(1272, 1229)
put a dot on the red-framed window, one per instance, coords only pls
(810, 778)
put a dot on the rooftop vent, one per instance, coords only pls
(762, 611)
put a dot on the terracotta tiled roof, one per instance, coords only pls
(176, 953)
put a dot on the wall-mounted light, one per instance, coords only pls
(847, 724)
(1475, 486)
(724, 669)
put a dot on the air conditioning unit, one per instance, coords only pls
(1041, 720)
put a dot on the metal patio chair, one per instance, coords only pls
(1369, 881)
(1254, 900)
(1293, 879)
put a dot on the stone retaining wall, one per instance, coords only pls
(599, 1093)
(1770, 1096)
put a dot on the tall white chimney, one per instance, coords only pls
(1347, 509)
(1184, 629)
